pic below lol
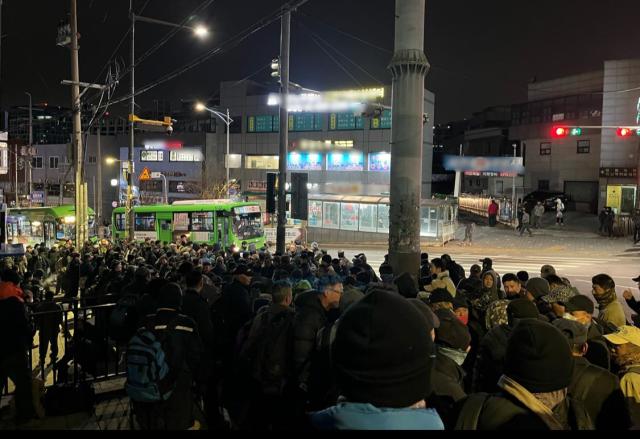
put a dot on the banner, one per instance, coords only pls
(480, 164)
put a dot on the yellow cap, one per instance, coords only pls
(625, 334)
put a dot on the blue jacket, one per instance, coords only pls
(360, 416)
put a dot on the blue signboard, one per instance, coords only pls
(345, 161)
(304, 161)
(380, 162)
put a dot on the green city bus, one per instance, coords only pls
(48, 225)
(233, 225)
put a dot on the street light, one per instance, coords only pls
(114, 182)
(111, 161)
(227, 121)
(200, 31)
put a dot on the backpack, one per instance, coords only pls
(470, 414)
(149, 376)
(123, 318)
(267, 354)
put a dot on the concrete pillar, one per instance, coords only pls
(409, 67)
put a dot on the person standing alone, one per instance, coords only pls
(493, 213)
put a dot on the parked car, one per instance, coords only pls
(548, 199)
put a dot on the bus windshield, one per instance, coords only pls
(248, 226)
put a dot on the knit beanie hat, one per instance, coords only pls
(433, 321)
(538, 287)
(440, 295)
(580, 303)
(406, 285)
(170, 296)
(538, 357)
(452, 333)
(379, 361)
(521, 309)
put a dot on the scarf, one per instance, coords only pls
(531, 402)
(456, 355)
(605, 298)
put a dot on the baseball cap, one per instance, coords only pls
(625, 334)
(486, 261)
(636, 279)
(575, 332)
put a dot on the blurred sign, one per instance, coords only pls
(257, 186)
(4, 155)
(618, 172)
(37, 196)
(11, 250)
(156, 174)
(491, 164)
(145, 175)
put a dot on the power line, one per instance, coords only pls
(343, 68)
(340, 53)
(225, 46)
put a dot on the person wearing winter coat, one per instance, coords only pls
(442, 279)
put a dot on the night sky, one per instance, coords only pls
(482, 53)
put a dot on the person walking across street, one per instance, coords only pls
(524, 223)
(559, 212)
(538, 213)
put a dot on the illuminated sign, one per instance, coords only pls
(489, 174)
(163, 144)
(480, 164)
(345, 161)
(186, 155)
(618, 172)
(304, 161)
(257, 186)
(341, 100)
(316, 145)
(243, 210)
(151, 156)
(380, 162)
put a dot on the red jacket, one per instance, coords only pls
(8, 289)
(493, 209)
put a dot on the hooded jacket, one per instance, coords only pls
(442, 280)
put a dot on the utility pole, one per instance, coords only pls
(77, 131)
(30, 146)
(458, 181)
(129, 205)
(98, 189)
(409, 67)
(514, 214)
(284, 131)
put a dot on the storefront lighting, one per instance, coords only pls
(69, 219)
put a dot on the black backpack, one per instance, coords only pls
(123, 319)
(266, 356)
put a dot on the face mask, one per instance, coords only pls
(454, 354)
(464, 319)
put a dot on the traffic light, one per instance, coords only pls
(299, 196)
(559, 132)
(275, 68)
(272, 178)
(624, 132)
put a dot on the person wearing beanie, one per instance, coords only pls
(452, 345)
(432, 319)
(315, 309)
(440, 298)
(597, 388)
(493, 346)
(604, 291)
(406, 285)
(547, 270)
(184, 354)
(626, 354)
(580, 308)
(461, 309)
(383, 369)
(441, 278)
(533, 393)
(523, 276)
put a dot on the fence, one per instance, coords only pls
(479, 205)
(87, 344)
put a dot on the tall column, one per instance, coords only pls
(284, 132)
(77, 130)
(409, 67)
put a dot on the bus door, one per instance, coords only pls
(223, 222)
(164, 226)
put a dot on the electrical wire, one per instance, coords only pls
(331, 57)
(313, 34)
(224, 47)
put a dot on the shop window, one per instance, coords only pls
(383, 218)
(315, 213)
(331, 215)
(261, 162)
(368, 217)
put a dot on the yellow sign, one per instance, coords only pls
(614, 197)
(145, 175)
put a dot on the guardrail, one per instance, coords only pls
(480, 205)
(88, 353)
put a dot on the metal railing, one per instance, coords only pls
(88, 353)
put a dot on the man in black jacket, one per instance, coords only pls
(312, 309)
(582, 309)
(48, 320)
(596, 387)
(452, 345)
(492, 350)
(236, 301)
(184, 352)
(15, 341)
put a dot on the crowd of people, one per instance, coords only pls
(307, 340)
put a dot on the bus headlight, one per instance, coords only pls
(69, 219)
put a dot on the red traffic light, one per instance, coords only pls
(624, 132)
(558, 132)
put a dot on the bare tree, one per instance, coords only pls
(218, 189)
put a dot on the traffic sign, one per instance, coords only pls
(145, 174)
(156, 174)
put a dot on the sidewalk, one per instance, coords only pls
(579, 236)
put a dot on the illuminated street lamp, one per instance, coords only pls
(227, 121)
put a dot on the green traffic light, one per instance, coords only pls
(576, 131)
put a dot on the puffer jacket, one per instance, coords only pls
(310, 317)
(442, 280)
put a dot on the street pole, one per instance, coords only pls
(30, 145)
(129, 205)
(165, 189)
(284, 132)
(458, 181)
(513, 189)
(409, 67)
(16, 169)
(77, 130)
(98, 203)
(228, 122)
